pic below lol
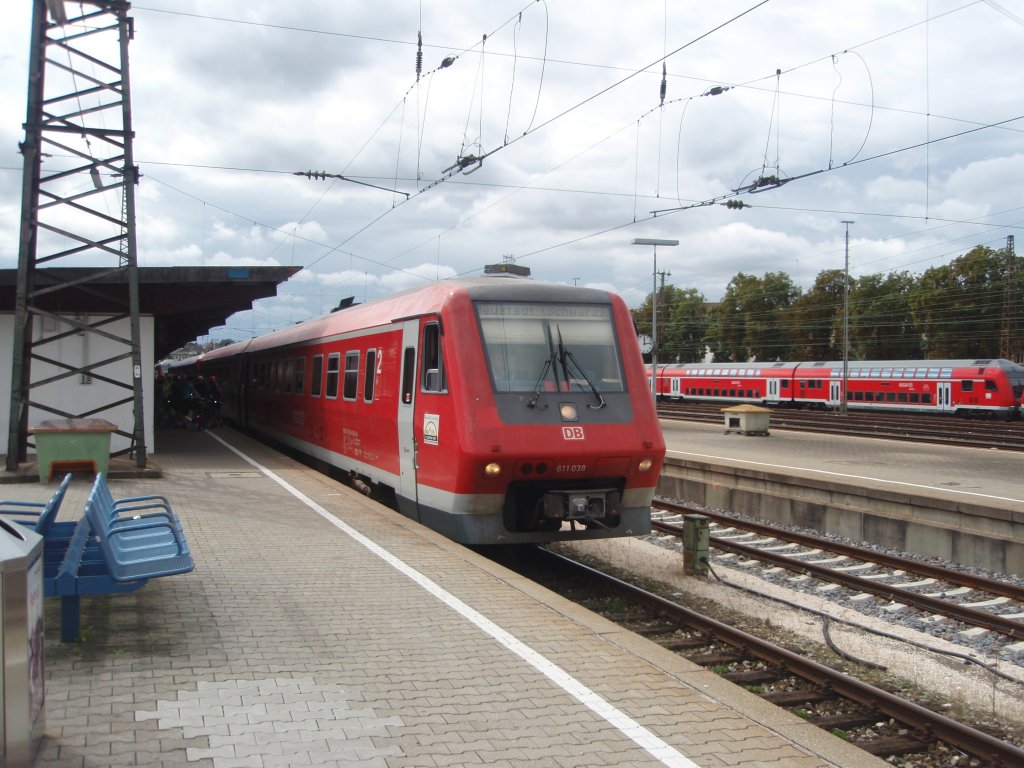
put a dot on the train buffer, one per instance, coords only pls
(105, 552)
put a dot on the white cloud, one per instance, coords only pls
(227, 109)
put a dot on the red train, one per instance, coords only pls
(499, 409)
(991, 388)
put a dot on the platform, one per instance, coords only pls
(320, 629)
(953, 503)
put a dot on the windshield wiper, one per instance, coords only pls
(548, 365)
(566, 357)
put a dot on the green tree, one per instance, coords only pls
(682, 323)
(882, 323)
(959, 306)
(815, 321)
(749, 323)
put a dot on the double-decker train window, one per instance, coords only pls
(333, 369)
(316, 379)
(351, 384)
(967, 385)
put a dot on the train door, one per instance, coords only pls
(944, 396)
(835, 392)
(675, 386)
(408, 450)
(773, 390)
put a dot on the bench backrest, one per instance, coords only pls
(49, 513)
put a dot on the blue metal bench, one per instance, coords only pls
(105, 553)
(37, 515)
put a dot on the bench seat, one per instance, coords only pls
(102, 554)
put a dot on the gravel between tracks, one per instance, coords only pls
(951, 682)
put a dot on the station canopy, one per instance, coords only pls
(185, 302)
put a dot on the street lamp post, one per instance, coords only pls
(846, 319)
(654, 241)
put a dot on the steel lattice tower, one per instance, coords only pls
(78, 210)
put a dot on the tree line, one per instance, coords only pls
(969, 308)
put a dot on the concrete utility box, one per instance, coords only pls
(746, 419)
(72, 445)
(21, 643)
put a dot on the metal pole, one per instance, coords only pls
(846, 320)
(654, 330)
(654, 307)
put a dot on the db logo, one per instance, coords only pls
(572, 433)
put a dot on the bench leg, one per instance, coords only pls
(70, 618)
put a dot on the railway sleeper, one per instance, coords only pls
(756, 676)
(800, 696)
(652, 630)
(845, 721)
(717, 658)
(893, 745)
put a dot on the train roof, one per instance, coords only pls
(1000, 363)
(415, 302)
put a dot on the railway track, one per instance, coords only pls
(872, 718)
(947, 430)
(972, 600)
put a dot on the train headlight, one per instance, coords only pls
(493, 469)
(568, 412)
(644, 465)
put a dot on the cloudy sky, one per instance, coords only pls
(906, 118)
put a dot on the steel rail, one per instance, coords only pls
(971, 616)
(981, 583)
(998, 753)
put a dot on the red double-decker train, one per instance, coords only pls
(498, 409)
(983, 387)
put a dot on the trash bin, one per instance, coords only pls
(21, 642)
(72, 445)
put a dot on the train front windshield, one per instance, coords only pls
(533, 347)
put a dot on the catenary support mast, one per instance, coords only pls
(78, 210)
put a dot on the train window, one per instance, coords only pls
(890, 397)
(946, 373)
(887, 373)
(902, 396)
(333, 368)
(371, 368)
(990, 386)
(434, 378)
(286, 368)
(858, 396)
(875, 372)
(921, 373)
(967, 385)
(351, 384)
(540, 347)
(897, 373)
(785, 383)
(869, 397)
(933, 373)
(299, 379)
(926, 397)
(316, 379)
(408, 374)
(915, 397)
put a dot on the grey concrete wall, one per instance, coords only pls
(969, 534)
